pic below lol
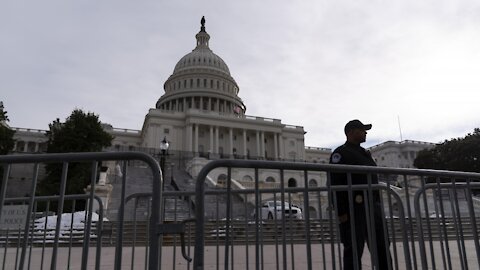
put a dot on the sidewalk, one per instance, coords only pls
(243, 258)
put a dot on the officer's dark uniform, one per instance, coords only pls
(353, 154)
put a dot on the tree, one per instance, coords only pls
(460, 154)
(6, 133)
(81, 132)
(6, 136)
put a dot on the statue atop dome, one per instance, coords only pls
(202, 21)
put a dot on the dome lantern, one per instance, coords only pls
(202, 37)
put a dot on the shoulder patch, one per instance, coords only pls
(336, 157)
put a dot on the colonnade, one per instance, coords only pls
(238, 141)
(29, 147)
(201, 103)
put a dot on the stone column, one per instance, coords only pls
(281, 146)
(275, 145)
(245, 143)
(258, 143)
(196, 137)
(217, 141)
(210, 150)
(230, 144)
(262, 144)
(189, 138)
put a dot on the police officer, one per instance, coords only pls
(352, 153)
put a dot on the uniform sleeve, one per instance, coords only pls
(339, 179)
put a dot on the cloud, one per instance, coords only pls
(316, 64)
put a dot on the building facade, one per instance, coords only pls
(398, 154)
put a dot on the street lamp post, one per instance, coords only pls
(163, 153)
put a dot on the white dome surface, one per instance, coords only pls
(201, 57)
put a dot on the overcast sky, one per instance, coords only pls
(409, 66)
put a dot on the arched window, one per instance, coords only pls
(292, 182)
(270, 180)
(247, 178)
(312, 183)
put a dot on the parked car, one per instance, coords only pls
(273, 209)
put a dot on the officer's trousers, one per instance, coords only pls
(362, 236)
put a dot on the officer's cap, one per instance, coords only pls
(356, 124)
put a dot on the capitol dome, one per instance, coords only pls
(201, 80)
(201, 57)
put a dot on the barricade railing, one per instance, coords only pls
(47, 233)
(430, 218)
(427, 217)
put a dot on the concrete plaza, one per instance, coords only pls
(240, 257)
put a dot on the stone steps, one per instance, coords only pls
(139, 180)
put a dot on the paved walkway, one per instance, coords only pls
(243, 258)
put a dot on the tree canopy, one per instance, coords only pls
(6, 137)
(81, 132)
(459, 154)
(6, 133)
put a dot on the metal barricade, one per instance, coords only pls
(45, 241)
(421, 231)
(429, 217)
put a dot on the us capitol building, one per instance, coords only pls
(203, 118)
